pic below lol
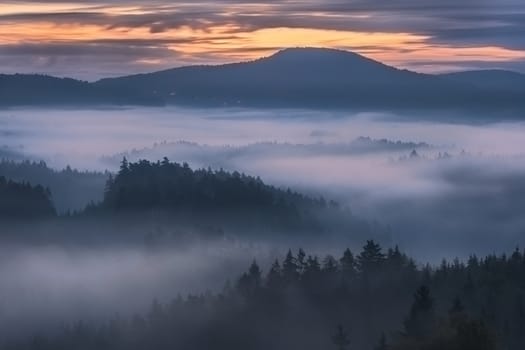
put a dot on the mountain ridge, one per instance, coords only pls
(293, 77)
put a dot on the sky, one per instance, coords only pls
(100, 38)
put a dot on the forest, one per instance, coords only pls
(20, 201)
(165, 193)
(373, 299)
(71, 189)
(219, 196)
(262, 175)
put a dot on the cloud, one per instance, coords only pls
(231, 23)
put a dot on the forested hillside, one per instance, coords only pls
(72, 189)
(24, 201)
(218, 197)
(374, 299)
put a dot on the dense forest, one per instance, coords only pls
(146, 185)
(167, 201)
(72, 189)
(24, 201)
(374, 299)
(221, 198)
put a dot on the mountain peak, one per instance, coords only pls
(315, 53)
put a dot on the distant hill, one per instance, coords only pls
(300, 77)
(490, 79)
(229, 157)
(42, 90)
(297, 77)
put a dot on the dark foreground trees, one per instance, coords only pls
(299, 303)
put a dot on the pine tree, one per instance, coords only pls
(290, 273)
(371, 257)
(255, 275)
(420, 321)
(347, 263)
(124, 166)
(274, 278)
(301, 262)
(330, 264)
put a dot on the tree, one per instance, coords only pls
(330, 264)
(301, 262)
(420, 322)
(312, 272)
(24, 201)
(371, 258)
(124, 166)
(347, 263)
(290, 273)
(255, 274)
(340, 338)
(250, 282)
(274, 278)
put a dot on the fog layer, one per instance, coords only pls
(460, 188)
(444, 189)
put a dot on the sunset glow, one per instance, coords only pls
(44, 37)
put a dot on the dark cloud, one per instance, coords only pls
(82, 60)
(445, 22)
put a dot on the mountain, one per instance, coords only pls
(297, 77)
(490, 79)
(38, 90)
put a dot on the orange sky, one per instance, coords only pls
(163, 35)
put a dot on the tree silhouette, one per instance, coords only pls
(220, 197)
(24, 201)
(71, 189)
(420, 321)
(274, 279)
(348, 263)
(290, 268)
(371, 258)
(264, 312)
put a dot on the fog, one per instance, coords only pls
(461, 171)
(79, 138)
(44, 287)
(461, 192)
